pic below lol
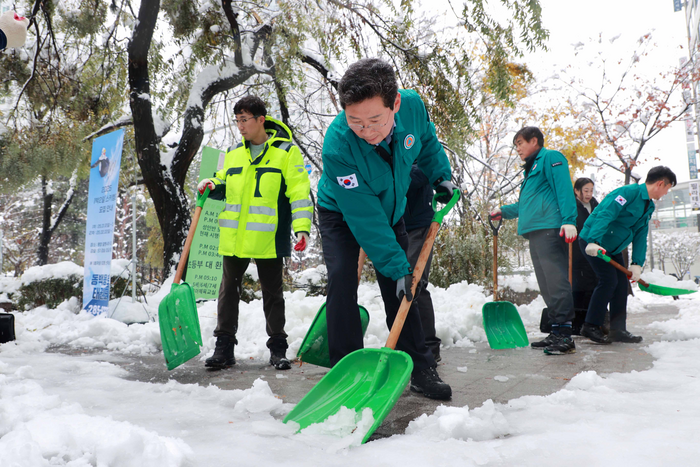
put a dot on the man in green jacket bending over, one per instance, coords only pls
(547, 213)
(368, 152)
(620, 219)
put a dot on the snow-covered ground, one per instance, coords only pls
(78, 410)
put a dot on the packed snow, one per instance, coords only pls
(79, 410)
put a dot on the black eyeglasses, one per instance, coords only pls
(238, 121)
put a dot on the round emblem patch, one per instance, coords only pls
(408, 142)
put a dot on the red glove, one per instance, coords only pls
(302, 240)
(495, 215)
(569, 233)
(202, 187)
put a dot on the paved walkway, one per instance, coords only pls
(476, 374)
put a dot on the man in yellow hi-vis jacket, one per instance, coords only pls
(266, 188)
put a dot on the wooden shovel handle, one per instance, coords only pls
(495, 268)
(360, 265)
(619, 267)
(188, 243)
(417, 274)
(571, 261)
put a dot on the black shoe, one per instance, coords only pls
(278, 359)
(560, 345)
(543, 343)
(429, 383)
(223, 354)
(594, 333)
(624, 336)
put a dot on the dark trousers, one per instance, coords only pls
(550, 258)
(423, 301)
(270, 273)
(341, 252)
(611, 289)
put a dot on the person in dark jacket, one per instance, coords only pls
(620, 219)
(583, 277)
(418, 217)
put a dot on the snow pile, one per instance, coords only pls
(312, 276)
(480, 424)
(657, 277)
(61, 270)
(344, 429)
(67, 325)
(36, 427)
(458, 322)
(519, 283)
(685, 326)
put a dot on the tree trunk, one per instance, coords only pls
(45, 235)
(167, 194)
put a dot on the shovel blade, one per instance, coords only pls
(314, 347)
(180, 333)
(503, 325)
(373, 378)
(666, 291)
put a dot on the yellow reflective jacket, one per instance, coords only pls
(265, 197)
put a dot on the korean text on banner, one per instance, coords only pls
(99, 229)
(204, 265)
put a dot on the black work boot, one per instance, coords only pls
(223, 354)
(543, 343)
(429, 383)
(561, 344)
(627, 337)
(594, 333)
(278, 359)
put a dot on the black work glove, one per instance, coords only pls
(403, 287)
(446, 187)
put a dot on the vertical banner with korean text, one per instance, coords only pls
(99, 230)
(204, 265)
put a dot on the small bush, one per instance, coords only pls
(54, 291)
(50, 292)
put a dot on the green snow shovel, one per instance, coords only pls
(368, 378)
(314, 347)
(180, 333)
(502, 323)
(645, 286)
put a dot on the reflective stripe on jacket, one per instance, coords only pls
(265, 197)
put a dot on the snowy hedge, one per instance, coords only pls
(53, 284)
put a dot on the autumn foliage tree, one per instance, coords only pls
(626, 104)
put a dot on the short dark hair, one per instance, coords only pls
(252, 104)
(661, 172)
(366, 79)
(528, 133)
(581, 182)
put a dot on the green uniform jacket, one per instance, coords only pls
(265, 197)
(620, 219)
(546, 195)
(358, 183)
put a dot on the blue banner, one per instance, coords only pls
(99, 231)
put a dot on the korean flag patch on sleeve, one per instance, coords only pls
(622, 201)
(348, 181)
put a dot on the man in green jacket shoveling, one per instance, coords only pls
(546, 212)
(620, 219)
(368, 152)
(267, 192)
